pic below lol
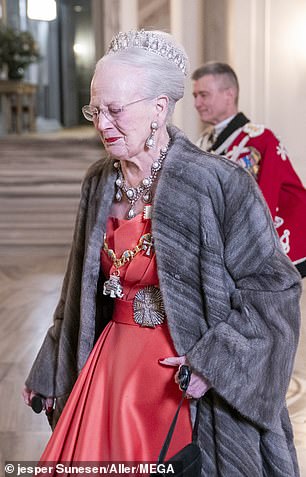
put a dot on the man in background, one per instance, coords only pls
(230, 133)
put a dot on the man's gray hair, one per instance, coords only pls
(216, 68)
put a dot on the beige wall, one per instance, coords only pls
(187, 27)
(265, 42)
(267, 48)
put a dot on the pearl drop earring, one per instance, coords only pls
(150, 142)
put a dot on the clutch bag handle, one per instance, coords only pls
(183, 379)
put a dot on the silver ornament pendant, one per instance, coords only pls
(118, 195)
(147, 197)
(131, 214)
(130, 193)
(149, 307)
(113, 287)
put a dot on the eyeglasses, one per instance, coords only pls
(111, 112)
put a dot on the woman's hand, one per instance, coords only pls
(198, 385)
(28, 395)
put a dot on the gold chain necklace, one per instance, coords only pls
(112, 286)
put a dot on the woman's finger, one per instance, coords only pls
(49, 404)
(26, 396)
(173, 361)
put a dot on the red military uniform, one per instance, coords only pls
(257, 149)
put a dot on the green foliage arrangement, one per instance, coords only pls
(18, 50)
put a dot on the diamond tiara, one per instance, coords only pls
(150, 41)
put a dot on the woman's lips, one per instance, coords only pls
(110, 140)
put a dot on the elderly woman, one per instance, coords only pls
(213, 289)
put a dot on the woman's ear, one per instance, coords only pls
(162, 105)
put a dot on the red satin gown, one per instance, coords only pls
(122, 404)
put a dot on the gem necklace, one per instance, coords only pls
(144, 190)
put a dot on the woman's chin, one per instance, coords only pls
(114, 148)
(116, 153)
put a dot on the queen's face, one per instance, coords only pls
(125, 112)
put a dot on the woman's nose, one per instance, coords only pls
(103, 121)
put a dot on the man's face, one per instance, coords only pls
(212, 99)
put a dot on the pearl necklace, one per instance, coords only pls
(144, 190)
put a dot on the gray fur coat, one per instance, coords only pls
(231, 298)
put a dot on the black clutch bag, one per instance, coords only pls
(188, 461)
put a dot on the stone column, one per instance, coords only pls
(186, 20)
(3, 11)
(128, 15)
(111, 16)
(99, 24)
(267, 51)
(248, 49)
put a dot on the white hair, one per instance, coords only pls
(161, 75)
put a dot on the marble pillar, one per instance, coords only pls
(187, 27)
(111, 16)
(266, 42)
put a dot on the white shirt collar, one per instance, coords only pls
(220, 126)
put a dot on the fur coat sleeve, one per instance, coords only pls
(231, 294)
(57, 364)
(248, 357)
(232, 302)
